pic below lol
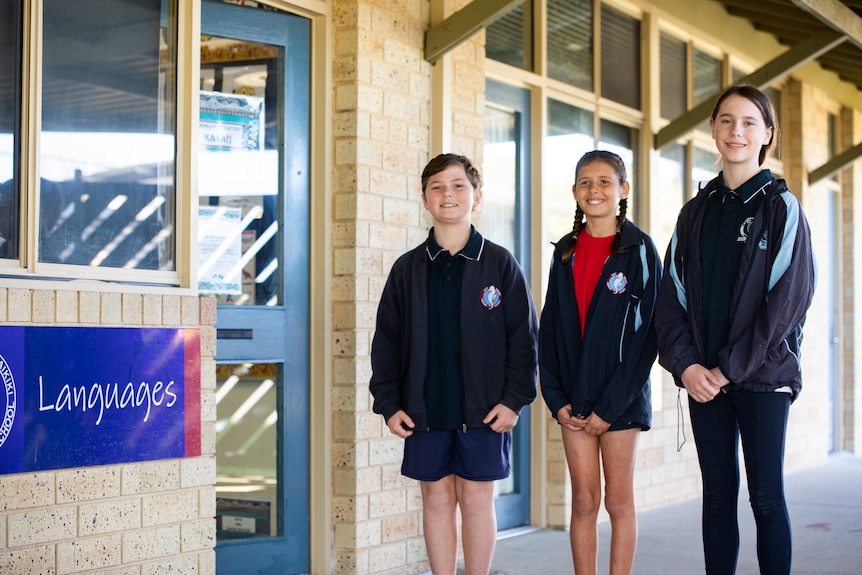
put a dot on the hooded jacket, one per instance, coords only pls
(773, 289)
(606, 372)
(499, 329)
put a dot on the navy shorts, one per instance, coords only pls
(479, 454)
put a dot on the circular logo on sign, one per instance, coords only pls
(617, 282)
(9, 408)
(491, 297)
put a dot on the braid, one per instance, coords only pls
(621, 220)
(576, 229)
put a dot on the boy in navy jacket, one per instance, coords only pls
(454, 360)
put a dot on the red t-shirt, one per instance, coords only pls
(590, 257)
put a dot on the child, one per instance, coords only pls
(739, 280)
(454, 360)
(596, 347)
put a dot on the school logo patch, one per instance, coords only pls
(745, 229)
(491, 297)
(617, 283)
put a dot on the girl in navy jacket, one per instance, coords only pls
(739, 278)
(596, 347)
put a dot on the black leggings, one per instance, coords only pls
(761, 420)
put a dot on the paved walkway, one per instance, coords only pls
(825, 505)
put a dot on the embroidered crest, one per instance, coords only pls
(745, 229)
(491, 297)
(617, 283)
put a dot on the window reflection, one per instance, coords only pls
(500, 183)
(246, 450)
(107, 143)
(570, 42)
(10, 116)
(570, 136)
(621, 77)
(507, 40)
(622, 140)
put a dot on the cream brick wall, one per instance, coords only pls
(130, 519)
(381, 142)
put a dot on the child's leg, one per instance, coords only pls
(441, 531)
(582, 456)
(619, 449)
(478, 524)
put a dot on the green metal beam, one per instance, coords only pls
(839, 162)
(462, 24)
(809, 49)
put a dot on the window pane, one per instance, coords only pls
(107, 143)
(707, 76)
(705, 167)
(247, 450)
(570, 136)
(673, 77)
(10, 118)
(506, 42)
(238, 216)
(707, 81)
(622, 141)
(570, 42)
(621, 58)
(669, 193)
(500, 152)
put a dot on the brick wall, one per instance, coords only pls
(382, 137)
(130, 519)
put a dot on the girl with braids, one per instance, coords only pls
(596, 347)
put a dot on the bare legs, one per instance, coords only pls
(478, 524)
(617, 450)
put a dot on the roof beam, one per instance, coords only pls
(444, 36)
(783, 64)
(839, 162)
(835, 15)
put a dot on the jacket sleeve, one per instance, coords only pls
(639, 341)
(522, 330)
(790, 290)
(676, 349)
(549, 360)
(386, 350)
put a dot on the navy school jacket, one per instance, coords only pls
(773, 290)
(608, 370)
(499, 329)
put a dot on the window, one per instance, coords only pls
(10, 116)
(508, 39)
(623, 141)
(705, 167)
(673, 77)
(105, 191)
(570, 42)
(668, 192)
(570, 135)
(621, 69)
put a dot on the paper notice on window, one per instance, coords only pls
(219, 250)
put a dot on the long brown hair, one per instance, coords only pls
(614, 161)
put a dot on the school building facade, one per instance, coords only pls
(201, 201)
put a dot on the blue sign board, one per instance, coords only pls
(82, 396)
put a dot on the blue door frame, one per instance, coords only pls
(513, 509)
(277, 334)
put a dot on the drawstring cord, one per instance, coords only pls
(680, 422)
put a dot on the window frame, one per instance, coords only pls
(26, 270)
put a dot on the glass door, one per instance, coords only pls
(253, 256)
(505, 220)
